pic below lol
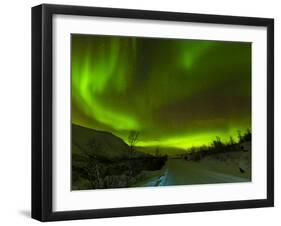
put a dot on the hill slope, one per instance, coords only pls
(103, 160)
(104, 144)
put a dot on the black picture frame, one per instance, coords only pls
(42, 106)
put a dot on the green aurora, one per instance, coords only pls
(175, 92)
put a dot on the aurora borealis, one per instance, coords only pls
(174, 92)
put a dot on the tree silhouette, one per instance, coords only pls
(132, 140)
(157, 152)
(231, 141)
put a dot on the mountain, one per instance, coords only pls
(103, 160)
(103, 144)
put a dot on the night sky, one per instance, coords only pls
(175, 92)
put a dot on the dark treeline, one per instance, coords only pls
(92, 170)
(103, 173)
(217, 147)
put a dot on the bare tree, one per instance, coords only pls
(239, 135)
(157, 152)
(231, 141)
(132, 139)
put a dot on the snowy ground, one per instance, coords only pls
(212, 169)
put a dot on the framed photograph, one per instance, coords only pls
(145, 112)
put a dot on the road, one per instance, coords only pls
(181, 172)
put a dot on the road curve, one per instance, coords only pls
(181, 172)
